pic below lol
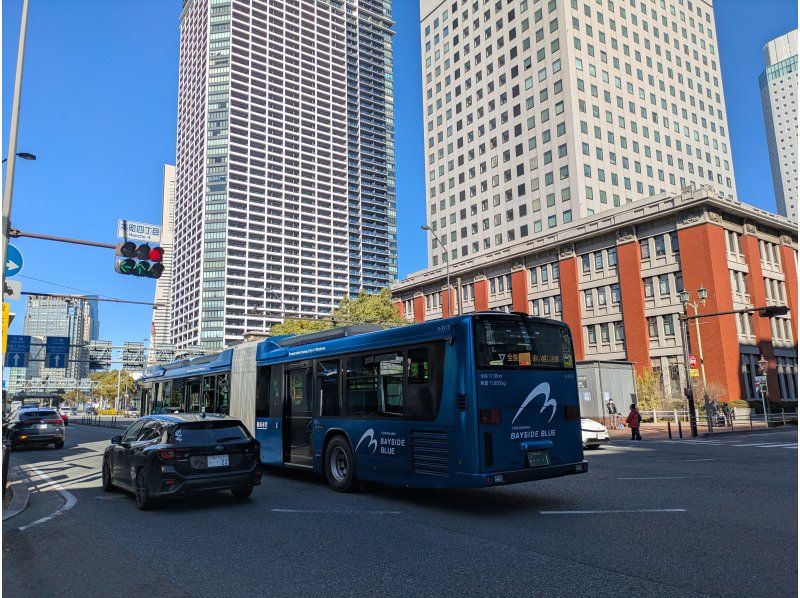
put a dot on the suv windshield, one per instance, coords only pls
(521, 343)
(209, 433)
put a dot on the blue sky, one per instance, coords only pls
(99, 111)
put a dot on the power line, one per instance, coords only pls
(57, 284)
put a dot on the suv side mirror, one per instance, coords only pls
(116, 439)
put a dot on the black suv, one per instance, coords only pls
(168, 455)
(34, 426)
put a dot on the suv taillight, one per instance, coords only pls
(490, 416)
(54, 421)
(572, 412)
(170, 454)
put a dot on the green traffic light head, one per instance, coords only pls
(125, 266)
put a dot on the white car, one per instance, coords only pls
(593, 433)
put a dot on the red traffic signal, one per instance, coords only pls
(142, 260)
(156, 254)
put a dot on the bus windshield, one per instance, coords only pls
(521, 343)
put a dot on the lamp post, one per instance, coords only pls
(8, 189)
(23, 155)
(440, 243)
(762, 368)
(685, 297)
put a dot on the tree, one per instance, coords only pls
(106, 391)
(649, 391)
(364, 309)
(299, 326)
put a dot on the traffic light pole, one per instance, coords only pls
(18, 233)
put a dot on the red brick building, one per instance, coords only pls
(615, 278)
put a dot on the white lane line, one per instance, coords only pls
(612, 511)
(69, 499)
(311, 511)
(693, 460)
(674, 477)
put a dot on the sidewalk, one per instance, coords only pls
(102, 421)
(17, 495)
(660, 430)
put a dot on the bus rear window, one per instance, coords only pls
(506, 343)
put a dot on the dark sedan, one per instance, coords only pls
(28, 427)
(160, 456)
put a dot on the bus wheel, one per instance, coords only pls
(340, 465)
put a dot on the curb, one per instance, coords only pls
(754, 431)
(20, 494)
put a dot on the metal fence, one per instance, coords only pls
(722, 425)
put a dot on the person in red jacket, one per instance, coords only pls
(633, 421)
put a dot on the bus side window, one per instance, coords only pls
(374, 385)
(262, 391)
(223, 405)
(328, 385)
(424, 382)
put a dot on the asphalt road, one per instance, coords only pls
(665, 518)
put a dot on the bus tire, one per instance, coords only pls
(340, 465)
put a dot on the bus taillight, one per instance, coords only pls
(572, 412)
(490, 416)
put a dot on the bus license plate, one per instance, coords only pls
(218, 461)
(538, 458)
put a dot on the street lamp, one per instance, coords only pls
(685, 297)
(23, 155)
(762, 368)
(441, 243)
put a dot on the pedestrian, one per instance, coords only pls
(612, 412)
(634, 420)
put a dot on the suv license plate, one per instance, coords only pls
(538, 458)
(218, 461)
(41, 426)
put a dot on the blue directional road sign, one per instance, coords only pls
(13, 261)
(56, 351)
(17, 350)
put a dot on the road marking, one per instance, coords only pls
(675, 477)
(69, 499)
(692, 460)
(612, 511)
(311, 511)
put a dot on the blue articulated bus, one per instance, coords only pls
(472, 401)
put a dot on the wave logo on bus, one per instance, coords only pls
(541, 389)
(373, 444)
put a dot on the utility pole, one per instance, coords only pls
(119, 379)
(8, 190)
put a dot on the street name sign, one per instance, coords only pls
(56, 351)
(13, 261)
(17, 350)
(138, 231)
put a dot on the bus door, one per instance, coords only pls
(193, 395)
(269, 413)
(297, 414)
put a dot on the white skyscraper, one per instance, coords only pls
(160, 327)
(284, 196)
(778, 85)
(540, 112)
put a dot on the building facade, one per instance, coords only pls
(615, 278)
(76, 318)
(541, 112)
(778, 85)
(160, 328)
(284, 183)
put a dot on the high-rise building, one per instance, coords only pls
(778, 85)
(76, 318)
(284, 190)
(540, 112)
(160, 326)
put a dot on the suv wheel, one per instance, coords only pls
(143, 500)
(59, 444)
(340, 465)
(108, 486)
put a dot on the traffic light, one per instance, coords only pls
(773, 310)
(139, 260)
